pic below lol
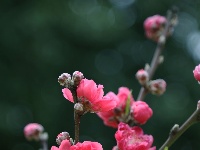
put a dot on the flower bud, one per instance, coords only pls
(142, 76)
(78, 107)
(77, 77)
(154, 26)
(198, 104)
(32, 131)
(62, 136)
(196, 73)
(64, 79)
(141, 112)
(157, 87)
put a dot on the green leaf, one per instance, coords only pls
(166, 148)
(127, 109)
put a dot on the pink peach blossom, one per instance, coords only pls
(154, 26)
(196, 73)
(133, 138)
(86, 145)
(91, 97)
(113, 117)
(32, 131)
(141, 112)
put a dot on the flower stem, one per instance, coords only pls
(160, 46)
(44, 144)
(175, 133)
(77, 117)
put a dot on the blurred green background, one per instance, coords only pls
(105, 40)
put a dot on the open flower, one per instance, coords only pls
(91, 97)
(86, 145)
(133, 138)
(113, 117)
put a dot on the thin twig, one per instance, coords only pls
(175, 133)
(76, 117)
(157, 53)
(44, 145)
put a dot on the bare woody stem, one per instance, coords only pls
(77, 117)
(157, 53)
(44, 144)
(176, 132)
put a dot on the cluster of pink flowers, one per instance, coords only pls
(116, 110)
(139, 111)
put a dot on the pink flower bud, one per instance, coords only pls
(77, 77)
(141, 112)
(196, 73)
(157, 87)
(142, 76)
(32, 131)
(62, 136)
(154, 26)
(64, 79)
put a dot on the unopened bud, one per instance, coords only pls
(154, 26)
(142, 76)
(196, 73)
(198, 104)
(77, 77)
(32, 131)
(62, 136)
(157, 87)
(161, 59)
(78, 107)
(174, 129)
(64, 79)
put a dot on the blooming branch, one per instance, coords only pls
(171, 16)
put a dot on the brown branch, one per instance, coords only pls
(176, 132)
(157, 53)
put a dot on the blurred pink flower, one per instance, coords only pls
(154, 26)
(32, 131)
(113, 117)
(157, 87)
(141, 112)
(196, 73)
(86, 145)
(133, 138)
(91, 97)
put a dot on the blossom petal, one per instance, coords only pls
(65, 145)
(54, 148)
(67, 94)
(104, 104)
